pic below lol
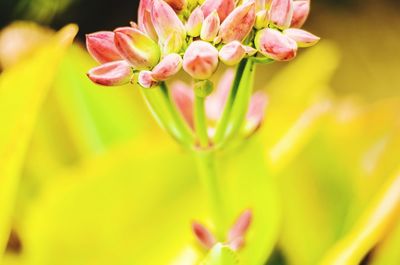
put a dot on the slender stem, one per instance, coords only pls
(223, 123)
(242, 102)
(200, 121)
(208, 176)
(180, 123)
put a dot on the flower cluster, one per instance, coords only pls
(195, 35)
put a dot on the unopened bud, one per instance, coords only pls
(195, 22)
(302, 37)
(301, 10)
(281, 13)
(137, 48)
(262, 19)
(222, 7)
(200, 60)
(146, 80)
(210, 27)
(101, 46)
(232, 53)
(273, 44)
(111, 74)
(239, 23)
(168, 67)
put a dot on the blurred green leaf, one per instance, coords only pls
(22, 91)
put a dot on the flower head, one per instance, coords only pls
(201, 33)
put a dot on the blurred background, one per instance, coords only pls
(78, 181)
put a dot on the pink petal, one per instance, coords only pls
(301, 10)
(255, 114)
(223, 8)
(177, 5)
(101, 46)
(281, 13)
(146, 79)
(273, 44)
(168, 67)
(232, 53)
(210, 27)
(241, 226)
(302, 37)
(111, 74)
(144, 19)
(194, 23)
(205, 237)
(239, 23)
(200, 60)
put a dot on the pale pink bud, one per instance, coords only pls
(111, 74)
(210, 27)
(281, 13)
(260, 5)
(223, 8)
(101, 46)
(232, 53)
(301, 10)
(144, 19)
(200, 60)
(302, 37)
(262, 19)
(146, 79)
(194, 23)
(239, 23)
(177, 5)
(273, 44)
(205, 237)
(256, 112)
(168, 67)
(183, 97)
(241, 226)
(172, 44)
(167, 23)
(138, 49)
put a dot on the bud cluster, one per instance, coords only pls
(196, 35)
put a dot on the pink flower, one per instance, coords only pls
(233, 52)
(101, 46)
(222, 7)
(301, 9)
(195, 22)
(210, 27)
(273, 44)
(281, 13)
(239, 23)
(200, 60)
(111, 74)
(302, 37)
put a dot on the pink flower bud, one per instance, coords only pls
(256, 112)
(205, 237)
(232, 53)
(273, 44)
(223, 8)
(172, 44)
(281, 13)
(144, 19)
(301, 9)
(302, 37)
(111, 74)
(169, 66)
(146, 79)
(138, 49)
(210, 27)
(239, 23)
(101, 46)
(183, 97)
(167, 23)
(177, 5)
(200, 60)
(194, 23)
(260, 5)
(241, 226)
(262, 19)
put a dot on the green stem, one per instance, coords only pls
(223, 123)
(180, 123)
(242, 102)
(160, 106)
(200, 121)
(208, 176)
